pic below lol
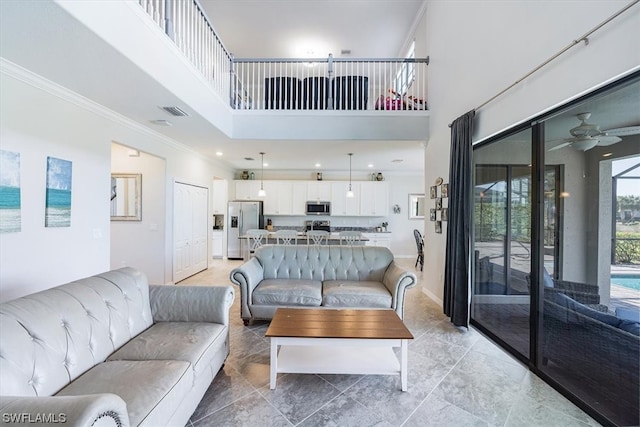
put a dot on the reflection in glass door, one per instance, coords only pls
(500, 301)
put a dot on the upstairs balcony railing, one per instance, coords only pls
(290, 84)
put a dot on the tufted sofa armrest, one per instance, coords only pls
(247, 277)
(90, 410)
(171, 303)
(397, 281)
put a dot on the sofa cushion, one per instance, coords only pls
(571, 304)
(299, 292)
(196, 343)
(324, 263)
(51, 337)
(152, 390)
(351, 293)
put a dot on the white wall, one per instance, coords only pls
(149, 235)
(40, 119)
(37, 124)
(478, 48)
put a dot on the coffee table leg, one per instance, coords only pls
(403, 364)
(273, 364)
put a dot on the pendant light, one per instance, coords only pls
(350, 192)
(261, 192)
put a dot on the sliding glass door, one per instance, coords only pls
(556, 272)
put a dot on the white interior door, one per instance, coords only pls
(190, 230)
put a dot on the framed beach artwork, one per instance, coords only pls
(58, 195)
(10, 203)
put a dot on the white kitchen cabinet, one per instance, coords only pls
(371, 198)
(216, 244)
(374, 198)
(299, 197)
(247, 190)
(318, 191)
(279, 198)
(378, 239)
(219, 197)
(341, 205)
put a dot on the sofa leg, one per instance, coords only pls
(247, 322)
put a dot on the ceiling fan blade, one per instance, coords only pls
(625, 131)
(605, 141)
(557, 147)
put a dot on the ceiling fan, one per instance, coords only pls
(585, 136)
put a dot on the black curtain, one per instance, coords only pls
(457, 262)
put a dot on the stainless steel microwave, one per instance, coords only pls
(318, 208)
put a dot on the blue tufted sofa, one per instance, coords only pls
(110, 350)
(320, 276)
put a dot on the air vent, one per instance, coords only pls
(345, 52)
(175, 111)
(249, 158)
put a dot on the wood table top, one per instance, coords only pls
(337, 323)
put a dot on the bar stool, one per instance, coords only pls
(257, 238)
(288, 237)
(350, 237)
(317, 237)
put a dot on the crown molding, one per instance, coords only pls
(30, 78)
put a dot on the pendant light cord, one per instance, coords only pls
(350, 155)
(262, 171)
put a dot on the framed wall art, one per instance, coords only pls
(10, 203)
(58, 193)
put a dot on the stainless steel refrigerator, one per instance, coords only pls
(242, 216)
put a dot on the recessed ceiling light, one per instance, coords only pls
(607, 155)
(219, 153)
(265, 164)
(162, 122)
(370, 165)
(318, 165)
(396, 161)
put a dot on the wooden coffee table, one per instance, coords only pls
(337, 341)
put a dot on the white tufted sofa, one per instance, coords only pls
(110, 350)
(320, 276)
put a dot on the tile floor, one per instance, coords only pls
(456, 378)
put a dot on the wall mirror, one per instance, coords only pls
(416, 206)
(126, 196)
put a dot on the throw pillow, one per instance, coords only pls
(628, 314)
(630, 326)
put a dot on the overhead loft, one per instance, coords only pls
(306, 98)
(329, 98)
(334, 99)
